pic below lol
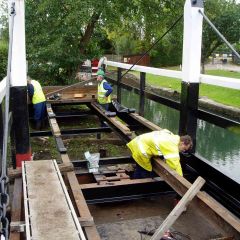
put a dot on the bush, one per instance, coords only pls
(3, 59)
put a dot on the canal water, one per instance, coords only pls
(219, 146)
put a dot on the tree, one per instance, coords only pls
(3, 40)
(226, 17)
(61, 34)
(3, 59)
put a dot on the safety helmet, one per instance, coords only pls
(100, 72)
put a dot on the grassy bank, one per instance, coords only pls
(219, 94)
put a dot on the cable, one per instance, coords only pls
(218, 33)
(173, 25)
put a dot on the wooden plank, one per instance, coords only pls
(48, 212)
(145, 122)
(115, 121)
(16, 208)
(53, 122)
(117, 183)
(86, 222)
(79, 95)
(121, 126)
(65, 159)
(177, 211)
(54, 126)
(114, 178)
(72, 101)
(81, 204)
(209, 206)
(16, 173)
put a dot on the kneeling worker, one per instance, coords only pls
(38, 100)
(161, 143)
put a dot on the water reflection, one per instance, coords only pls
(220, 146)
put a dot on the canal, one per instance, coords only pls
(219, 146)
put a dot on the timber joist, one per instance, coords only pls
(113, 120)
(56, 132)
(215, 211)
(145, 122)
(76, 195)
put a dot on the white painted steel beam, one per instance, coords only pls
(152, 70)
(208, 79)
(192, 41)
(2, 89)
(18, 66)
(233, 83)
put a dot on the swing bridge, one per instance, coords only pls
(52, 199)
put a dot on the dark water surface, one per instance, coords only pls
(219, 146)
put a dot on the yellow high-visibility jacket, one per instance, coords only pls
(101, 93)
(38, 95)
(156, 143)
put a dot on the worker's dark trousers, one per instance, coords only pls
(39, 114)
(140, 172)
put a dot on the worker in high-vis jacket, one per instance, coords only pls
(104, 90)
(38, 100)
(161, 143)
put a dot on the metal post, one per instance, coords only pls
(18, 91)
(191, 65)
(142, 89)
(1, 130)
(119, 90)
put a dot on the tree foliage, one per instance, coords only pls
(3, 58)
(226, 17)
(60, 35)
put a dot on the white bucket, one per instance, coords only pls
(93, 160)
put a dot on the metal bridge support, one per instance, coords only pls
(18, 92)
(191, 66)
(119, 90)
(141, 94)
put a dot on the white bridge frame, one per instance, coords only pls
(232, 83)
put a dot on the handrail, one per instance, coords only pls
(152, 70)
(232, 83)
(2, 89)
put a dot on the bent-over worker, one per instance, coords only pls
(161, 143)
(38, 100)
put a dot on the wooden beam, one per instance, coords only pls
(65, 158)
(82, 207)
(117, 183)
(86, 222)
(177, 211)
(115, 121)
(54, 126)
(16, 173)
(145, 122)
(213, 209)
(16, 208)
